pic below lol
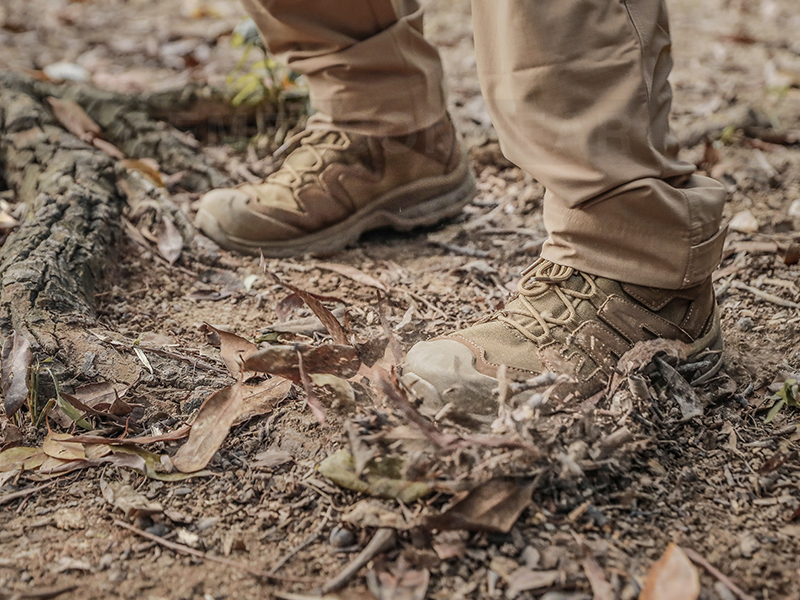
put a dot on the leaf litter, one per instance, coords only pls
(645, 474)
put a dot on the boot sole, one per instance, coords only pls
(383, 212)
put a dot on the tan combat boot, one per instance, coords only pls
(337, 185)
(565, 322)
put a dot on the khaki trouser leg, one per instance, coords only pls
(368, 66)
(578, 93)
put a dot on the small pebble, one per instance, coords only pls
(206, 523)
(745, 324)
(342, 537)
(182, 491)
(158, 529)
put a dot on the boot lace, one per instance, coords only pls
(310, 141)
(537, 280)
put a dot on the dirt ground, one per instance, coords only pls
(726, 485)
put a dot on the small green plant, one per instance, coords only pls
(264, 80)
(788, 395)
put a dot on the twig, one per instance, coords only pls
(383, 540)
(696, 558)
(765, 295)
(464, 250)
(195, 362)
(302, 544)
(425, 301)
(22, 493)
(217, 559)
(37, 594)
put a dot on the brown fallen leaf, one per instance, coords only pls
(333, 359)
(170, 241)
(525, 579)
(270, 459)
(311, 395)
(147, 167)
(210, 428)
(601, 589)
(61, 446)
(21, 457)
(331, 323)
(354, 274)
(492, 506)
(672, 577)
(128, 500)
(74, 119)
(399, 582)
(16, 359)
(261, 399)
(233, 349)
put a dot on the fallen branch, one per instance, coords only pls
(217, 559)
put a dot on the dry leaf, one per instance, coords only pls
(354, 274)
(311, 395)
(21, 457)
(313, 301)
(370, 513)
(524, 579)
(74, 119)
(61, 446)
(339, 360)
(261, 399)
(233, 349)
(14, 373)
(672, 577)
(399, 582)
(492, 506)
(170, 241)
(129, 501)
(210, 428)
(601, 589)
(147, 167)
(270, 459)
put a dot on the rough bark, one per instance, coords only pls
(127, 122)
(50, 266)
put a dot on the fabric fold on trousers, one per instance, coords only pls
(578, 93)
(369, 68)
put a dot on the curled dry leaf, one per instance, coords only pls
(233, 349)
(14, 373)
(492, 506)
(261, 399)
(333, 359)
(399, 582)
(371, 513)
(210, 428)
(672, 577)
(170, 241)
(313, 301)
(128, 500)
(74, 119)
